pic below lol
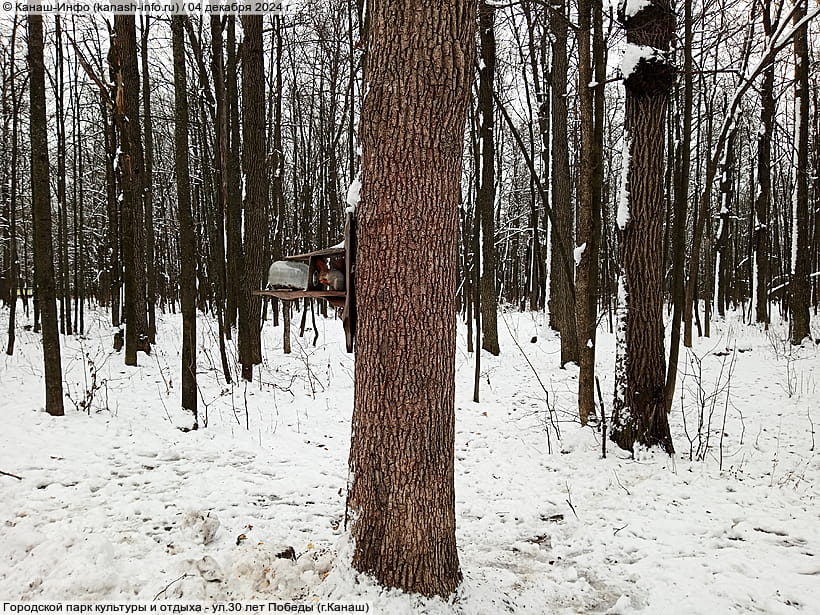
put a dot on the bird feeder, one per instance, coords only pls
(322, 274)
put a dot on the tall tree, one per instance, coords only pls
(762, 205)
(485, 201)
(221, 187)
(64, 287)
(186, 240)
(148, 187)
(256, 193)
(233, 215)
(639, 410)
(588, 217)
(41, 217)
(799, 283)
(420, 62)
(123, 57)
(561, 301)
(682, 170)
(13, 267)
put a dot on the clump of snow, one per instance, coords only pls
(634, 54)
(353, 194)
(623, 214)
(633, 7)
(578, 253)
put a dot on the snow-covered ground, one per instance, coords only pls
(117, 503)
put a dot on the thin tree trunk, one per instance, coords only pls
(64, 284)
(800, 258)
(14, 273)
(561, 301)
(186, 239)
(221, 186)
(586, 248)
(113, 215)
(256, 199)
(130, 168)
(485, 201)
(46, 291)
(683, 158)
(148, 189)
(233, 221)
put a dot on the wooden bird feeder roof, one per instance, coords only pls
(344, 299)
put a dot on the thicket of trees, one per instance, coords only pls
(175, 158)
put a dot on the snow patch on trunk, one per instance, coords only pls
(623, 215)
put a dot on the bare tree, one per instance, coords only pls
(13, 267)
(562, 300)
(186, 241)
(485, 200)
(799, 283)
(41, 217)
(256, 193)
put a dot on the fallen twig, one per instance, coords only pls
(10, 474)
(165, 589)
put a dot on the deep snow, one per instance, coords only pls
(117, 503)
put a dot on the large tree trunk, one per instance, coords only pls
(639, 411)
(799, 283)
(256, 193)
(402, 450)
(41, 217)
(186, 238)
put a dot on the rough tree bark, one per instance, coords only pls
(485, 200)
(799, 283)
(402, 451)
(41, 217)
(764, 181)
(186, 239)
(123, 57)
(256, 193)
(561, 301)
(586, 251)
(639, 409)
